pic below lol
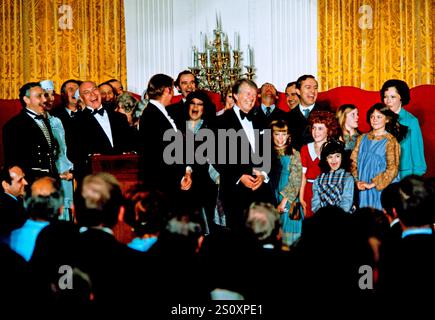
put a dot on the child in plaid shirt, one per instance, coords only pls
(335, 186)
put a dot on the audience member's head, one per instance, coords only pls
(186, 83)
(146, 212)
(100, 201)
(45, 200)
(391, 201)
(262, 219)
(416, 202)
(13, 180)
(291, 95)
(307, 90)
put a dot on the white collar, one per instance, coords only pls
(312, 151)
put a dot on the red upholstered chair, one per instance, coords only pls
(8, 109)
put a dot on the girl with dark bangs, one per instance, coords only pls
(335, 186)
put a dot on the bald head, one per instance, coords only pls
(90, 94)
(43, 187)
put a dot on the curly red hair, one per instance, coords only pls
(328, 119)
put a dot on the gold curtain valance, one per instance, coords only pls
(60, 40)
(364, 43)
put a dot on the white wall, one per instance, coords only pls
(160, 35)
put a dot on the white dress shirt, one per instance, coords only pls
(104, 122)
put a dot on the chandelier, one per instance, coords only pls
(216, 64)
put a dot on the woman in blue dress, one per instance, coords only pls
(285, 180)
(396, 95)
(376, 156)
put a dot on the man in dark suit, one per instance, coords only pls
(12, 215)
(68, 113)
(242, 182)
(307, 90)
(154, 122)
(409, 266)
(100, 131)
(28, 140)
(268, 111)
(185, 84)
(113, 268)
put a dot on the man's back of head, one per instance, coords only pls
(100, 201)
(415, 194)
(45, 200)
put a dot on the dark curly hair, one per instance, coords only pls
(328, 119)
(401, 87)
(331, 147)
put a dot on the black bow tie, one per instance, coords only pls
(73, 114)
(100, 111)
(40, 117)
(244, 115)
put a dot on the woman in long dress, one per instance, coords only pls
(375, 158)
(285, 180)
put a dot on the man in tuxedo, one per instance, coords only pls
(154, 122)
(268, 111)
(185, 84)
(409, 266)
(242, 183)
(113, 268)
(100, 131)
(12, 215)
(28, 139)
(307, 90)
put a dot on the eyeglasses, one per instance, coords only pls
(196, 104)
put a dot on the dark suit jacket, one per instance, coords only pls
(155, 173)
(276, 114)
(12, 214)
(71, 136)
(24, 144)
(92, 138)
(177, 112)
(112, 266)
(409, 268)
(236, 197)
(298, 126)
